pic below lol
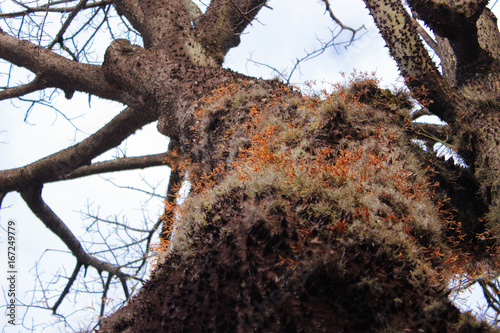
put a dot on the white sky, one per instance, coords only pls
(279, 37)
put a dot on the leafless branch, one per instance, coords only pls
(134, 189)
(51, 7)
(421, 31)
(2, 196)
(33, 199)
(310, 55)
(72, 15)
(491, 293)
(56, 166)
(13, 92)
(421, 112)
(432, 133)
(223, 22)
(339, 22)
(417, 68)
(131, 9)
(105, 294)
(119, 164)
(59, 72)
(68, 287)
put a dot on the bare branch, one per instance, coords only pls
(72, 15)
(421, 112)
(134, 189)
(2, 196)
(413, 60)
(35, 85)
(119, 164)
(286, 78)
(432, 132)
(426, 37)
(152, 232)
(58, 165)
(59, 72)
(131, 9)
(165, 23)
(219, 28)
(105, 294)
(193, 11)
(51, 7)
(457, 22)
(33, 199)
(68, 286)
(339, 22)
(492, 297)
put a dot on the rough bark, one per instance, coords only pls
(302, 218)
(225, 256)
(306, 214)
(414, 62)
(466, 95)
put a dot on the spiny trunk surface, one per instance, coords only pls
(306, 214)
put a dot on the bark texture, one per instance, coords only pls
(307, 214)
(317, 215)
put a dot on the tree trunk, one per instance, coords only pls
(305, 215)
(317, 215)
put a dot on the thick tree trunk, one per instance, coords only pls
(310, 215)
(306, 215)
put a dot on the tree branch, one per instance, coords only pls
(2, 196)
(33, 199)
(13, 92)
(425, 36)
(339, 22)
(58, 165)
(50, 7)
(131, 9)
(219, 28)
(449, 18)
(432, 132)
(166, 24)
(105, 294)
(456, 21)
(68, 286)
(72, 15)
(56, 71)
(414, 62)
(119, 164)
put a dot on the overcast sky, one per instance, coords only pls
(279, 36)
